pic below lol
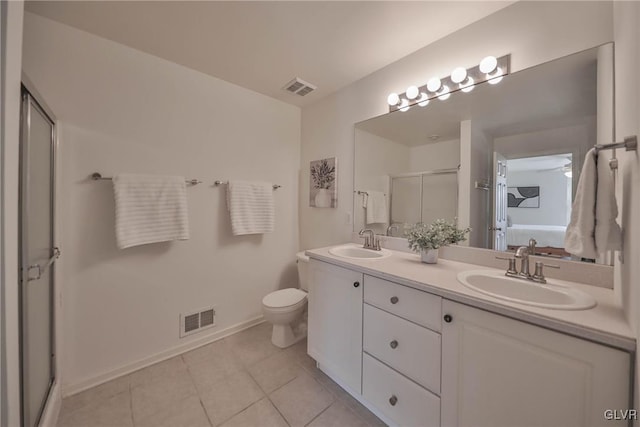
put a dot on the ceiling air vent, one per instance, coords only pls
(193, 322)
(299, 87)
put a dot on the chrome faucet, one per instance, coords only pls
(522, 253)
(392, 227)
(370, 241)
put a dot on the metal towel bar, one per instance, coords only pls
(275, 186)
(96, 176)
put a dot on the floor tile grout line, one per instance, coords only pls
(133, 421)
(206, 414)
(320, 413)
(246, 407)
(278, 410)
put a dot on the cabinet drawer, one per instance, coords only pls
(408, 348)
(419, 307)
(412, 406)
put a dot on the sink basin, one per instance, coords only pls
(550, 295)
(358, 252)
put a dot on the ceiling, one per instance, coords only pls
(555, 94)
(262, 45)
(540, 163)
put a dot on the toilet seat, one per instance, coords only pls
(284, 298)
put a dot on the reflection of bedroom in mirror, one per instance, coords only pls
(539, 197)
(504, 159)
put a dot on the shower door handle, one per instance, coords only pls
(39, 269)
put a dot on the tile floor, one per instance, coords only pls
(242, 380)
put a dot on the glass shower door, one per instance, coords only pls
(37, 255)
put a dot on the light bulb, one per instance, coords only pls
(412, 92)
(458, 75)
(424, 100)
(393, 99)
(488, 64)
(444, 93)
(498, 77)
(468, 86)
(434, 84)
(404, 106)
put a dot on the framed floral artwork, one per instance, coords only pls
(323, 189)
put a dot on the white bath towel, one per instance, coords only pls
(376, 205)
(593, 229)
(608, 234)
(251, 207)
(580, 238)
(150, 209)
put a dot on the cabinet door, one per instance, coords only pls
(335, 321)
(497, 371)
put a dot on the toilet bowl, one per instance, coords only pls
(284, 309)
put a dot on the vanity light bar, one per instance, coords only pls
(490, 69)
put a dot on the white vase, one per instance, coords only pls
(429, 256)
(323, 198)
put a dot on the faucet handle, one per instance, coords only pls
(538, 275)
(512, 265)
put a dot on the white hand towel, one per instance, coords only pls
(608, 234)
(593, 229)
(580, 238)
(376, 207)
(150, 209)
(251, 207)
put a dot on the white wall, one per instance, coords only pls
(627, 55)
(126, 111)
(10, 62)
(553, 197)
(533, 32)
(435, 155)
(380, 157)
(475, 166)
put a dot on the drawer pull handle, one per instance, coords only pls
(393, 344)
(448, 318)
(394, 300)
(356, 284)
(393, 400)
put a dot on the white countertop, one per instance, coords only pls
(605, 323)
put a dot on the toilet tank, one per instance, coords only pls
(303, 268)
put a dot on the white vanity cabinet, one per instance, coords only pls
(497, 371)
(418, 359)
(401, 352)
(335, 322)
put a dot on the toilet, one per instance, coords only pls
(284, 309)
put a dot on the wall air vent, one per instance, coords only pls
(196, 321)
(299, 87)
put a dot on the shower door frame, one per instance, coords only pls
(31, 99)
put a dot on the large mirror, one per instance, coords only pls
(503, 158)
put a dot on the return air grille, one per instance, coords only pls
(299, 87)
(190, 323)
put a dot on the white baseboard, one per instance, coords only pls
(71, 389)
(52, 407)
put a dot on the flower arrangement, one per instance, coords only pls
(322, 174)
(423, 237)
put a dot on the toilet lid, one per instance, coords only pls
(284, 298)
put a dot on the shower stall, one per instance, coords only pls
(37, 254)
(424, 196)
